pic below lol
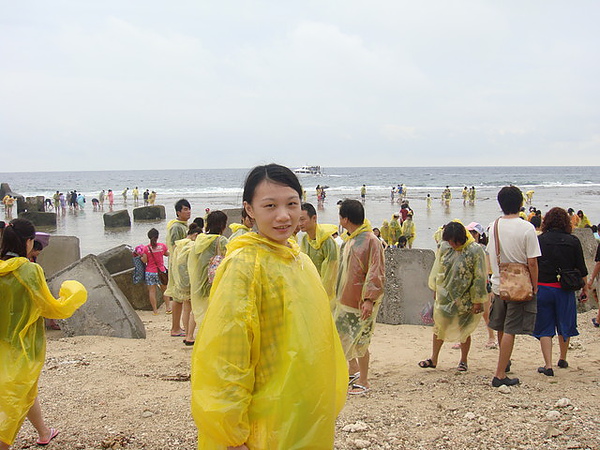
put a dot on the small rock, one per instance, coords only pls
(553, 415)
(362, 443)
(562, 403)
(504, 389)
(552, 431)
(147, 414)
(470, 416)
(354, 427)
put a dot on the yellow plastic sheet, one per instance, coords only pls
(25, 301)
(179, 277)
(324, 253)
(385, 231)
(205, 247)
(267, 369)
(237, 229)
(395, 231)
(409, 231)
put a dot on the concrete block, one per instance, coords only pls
(156, 212)
(107, 311)
(61, 252)
(589, 244)
(117, 259)
(40, 218)
(233, 216)
(35, 203)
(116, 219)
(406, 290)
(20, 203)
(136, 294)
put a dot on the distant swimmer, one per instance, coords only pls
(472, 195)
(428, 200)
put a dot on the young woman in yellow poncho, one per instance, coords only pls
(237, 229)
(268, 371)
(25, 301)
(206, 248)
(458, 278)
(409, 230)
(395, 229)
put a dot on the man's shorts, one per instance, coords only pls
(513, 317)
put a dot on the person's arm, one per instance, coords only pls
(595, 273)
(374, 280)
(329, 267)
(533, 272)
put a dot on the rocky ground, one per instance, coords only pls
(105, 393)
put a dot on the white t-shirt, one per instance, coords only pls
(518, 242)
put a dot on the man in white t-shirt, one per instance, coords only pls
(519, 244)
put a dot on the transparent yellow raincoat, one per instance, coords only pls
(237, 229)
(584, 222)
(324, 253)
(362, 276)
(458, 278)
(267, 369)
(179, 277)
(395, 231)
(24, 302)
(409, 231)
(205, 247)
(176, 230)
(385, 232)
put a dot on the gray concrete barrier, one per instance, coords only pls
(61, 252)
(117, 259)
(156, 212)
(107, 311)
(136, 294)
(117, 219)
(40, 218)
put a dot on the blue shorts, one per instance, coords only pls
(152, 279)
(557, 313)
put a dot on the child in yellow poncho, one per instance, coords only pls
(25, 301)
(268, 371)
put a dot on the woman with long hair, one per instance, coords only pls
(153, 257)
(26, 300)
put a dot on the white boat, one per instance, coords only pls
(308, 170)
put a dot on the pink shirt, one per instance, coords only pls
(155, 255)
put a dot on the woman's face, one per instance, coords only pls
(453, 244)
(29, 246)
(275, 209)
(475, 235)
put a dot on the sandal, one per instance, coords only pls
(358, 389)
(426, 364)
(353, 378)
(491, 345)
(53, 434)
(595, 322)
(462, 367)
(562, 363)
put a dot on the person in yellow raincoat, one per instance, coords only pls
(24, 302)
(179, 280)
(359, 291)
(409, 230)
(268, 372)
(458, 278)
(208, 250)
(237, 229)
(395, 230)
(385, 232)
(318, 244)
(176, 230)
(583, 220)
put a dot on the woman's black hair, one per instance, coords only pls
(153, 236)
(15, 236)
(194, 228)
(200, 222)
(216, 222)
(455, 232)
(273, 173)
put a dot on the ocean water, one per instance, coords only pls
(577, 187)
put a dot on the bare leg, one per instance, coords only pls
(563, 344)
(4, 446)
(353, 366)
(152, 297)
(546, 344)
(435, 352)
(507, 342)
(191, 324)
(363, 365)
(464, 350)
(486, 317)
(176, 319)
(37, 420)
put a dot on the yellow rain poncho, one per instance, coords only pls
(24, 302)
(584, 222)
(409, 231)
(269, 371)
(458, 278)
(395, 231)
(205, 247)
(176, 230)
(362, 276)
(324, 253)
(237, 229)
(385, 231)
(179, 277)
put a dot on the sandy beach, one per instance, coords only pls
(135, 394)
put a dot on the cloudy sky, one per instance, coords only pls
(187, 84)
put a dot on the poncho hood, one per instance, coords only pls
(174, 221)
(324, 232)
(253, 238)
(11, 265)
(203, 241)
(366, 226)
(238, 226)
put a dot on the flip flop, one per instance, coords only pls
(361, 389)
(53, 434)
(178, 334)
(352, 378)
(186, 342)
(426, 364)
(595, 322)
(462, 367)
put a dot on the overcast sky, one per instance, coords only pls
(197, 84)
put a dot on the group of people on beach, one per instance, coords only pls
(281, 277)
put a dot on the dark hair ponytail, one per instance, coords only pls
(153, 236)
(15, 236)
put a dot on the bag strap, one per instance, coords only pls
(154, 258)
(497, 240)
